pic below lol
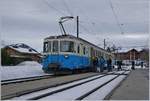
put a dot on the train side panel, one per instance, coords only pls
(65, 62)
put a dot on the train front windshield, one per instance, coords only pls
(45, 48)
(52, 46)
(67, 46)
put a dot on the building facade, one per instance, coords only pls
(14, 54)
(129, 55)
(135, 55)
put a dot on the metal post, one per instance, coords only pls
(62, 28)
(129, 56)
(134, 55)
(104, 43)
(77, 26)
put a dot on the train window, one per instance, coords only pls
(55, 46)
(94, 52)
(100, 53)
(78, 49)
(67, 46)
(81, 49)
(45, 48)
(87, 51)
(49, 46)
(84, 50)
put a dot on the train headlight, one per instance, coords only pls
(45, 56)
(66, 56)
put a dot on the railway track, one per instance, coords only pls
(10, 94)
(26, 79)
(85, 88)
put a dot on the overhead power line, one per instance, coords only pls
(115, 15)
(84, 28)
(67, 8)
(56, 9)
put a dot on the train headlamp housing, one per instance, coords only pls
(66, 56)
(45, 56)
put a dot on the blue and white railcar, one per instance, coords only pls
(66, 52)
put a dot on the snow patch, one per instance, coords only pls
(29, 63)
(23, 70)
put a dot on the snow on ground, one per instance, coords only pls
(129, 67)
(22, 70)
(70, 93)
(101, 93)
(136, 67)
(28, 96)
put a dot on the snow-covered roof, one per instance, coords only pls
(126, 50)
(23, 48)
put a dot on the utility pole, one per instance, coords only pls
(104, 43)
(77, 26)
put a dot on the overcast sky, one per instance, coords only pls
(30, 21)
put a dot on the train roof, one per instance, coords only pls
(73, 37)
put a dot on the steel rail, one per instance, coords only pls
(46, 87)
(19, 80)
(69, 87)
(95, 89)
(63, 89)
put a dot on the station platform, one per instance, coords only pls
(134, 87)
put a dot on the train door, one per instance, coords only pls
(81, 54)
(92, 56)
